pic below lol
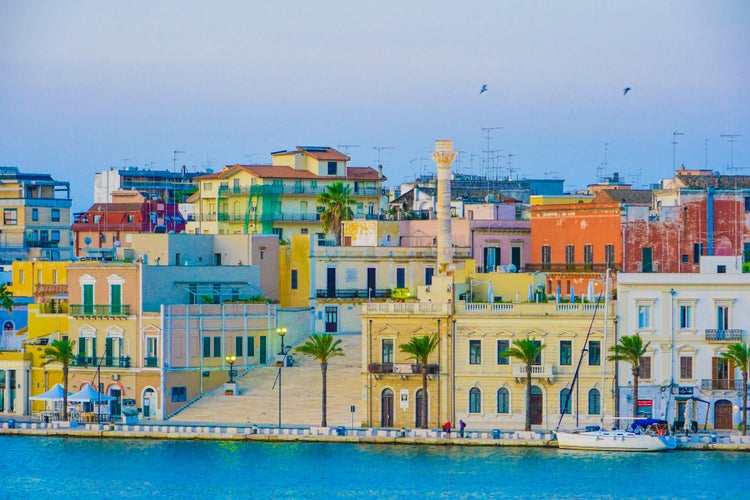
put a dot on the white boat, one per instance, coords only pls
(635, 438)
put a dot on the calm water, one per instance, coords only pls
(94, 468)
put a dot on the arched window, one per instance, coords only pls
(594, 402)
(565, 398)
(475, 400)
(503, 400)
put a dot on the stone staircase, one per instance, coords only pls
(258, 403)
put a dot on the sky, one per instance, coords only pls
(89, 85)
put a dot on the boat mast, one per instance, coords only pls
(604, 348)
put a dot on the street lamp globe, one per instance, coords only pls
(281, 331)
(230, 360)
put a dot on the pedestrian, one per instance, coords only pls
(461, 427)
(448, 429)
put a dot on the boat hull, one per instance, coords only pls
(611, 441)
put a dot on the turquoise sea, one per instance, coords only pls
(70, 468)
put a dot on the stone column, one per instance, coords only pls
(444, 156)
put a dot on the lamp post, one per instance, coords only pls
(230, 360)
(281, 332)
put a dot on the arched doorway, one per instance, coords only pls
(386, 408)
(421, 415)
(149, 403)
(723, 414)
(536, 405)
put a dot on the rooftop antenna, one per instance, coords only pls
(347, 147)
(125, 162)
(174, 159)
(606, 165)
(705, 152)
(379, 149)
(600, 169)
(732, 138)
(510, 165)
(551, 173)
(488, 136)
(674, 151)
(250, 158)
(637, 178)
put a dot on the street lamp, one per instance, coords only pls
(231, 360)
(281, 332)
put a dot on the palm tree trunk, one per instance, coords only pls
(635, 393)
(65, 392)
(528, 398)
(425, 420)
(744, 403)
(324, 370)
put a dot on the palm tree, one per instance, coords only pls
(61, 351)
(6, 298)
(322, 347)
(739, 355)
(630, 348)
(526, 351)
(420, 349)
(337, 200)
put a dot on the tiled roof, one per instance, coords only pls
(278, 172)
(362, 173)
(323, 153)
(629, 196)
(714, 181)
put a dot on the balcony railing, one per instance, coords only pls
(100, 310)
(150, 362)
(42, 244)
(83, 360)
(708, 384)
(402, 368)
(353, 293)
(729, 335)
(537, 371)
(578, 267)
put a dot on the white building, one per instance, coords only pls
(689, 319)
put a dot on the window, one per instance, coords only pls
(55, 236)
(179, 394)
(206, 347)
(304, 230)
(566, 352)
(55, 216)
(565, 402)
(387, 351)
(429, 272)
(115, 298)
(546, 257)
(503, 400)
(88, 298)
(475, 352)
(746, 252)
(400, 277)
(722, 317)
(10, 216)
(697, 252)
(475, 400)
(609, 254)
(491, 259)
(294, 279)
(722, 269)
(594, 402)
(595, 353)
(644, 367)
(251, 345)
(538, 359)
(502, 346)
(647, 260)
(570, 255)
(217, 347)
(238, 346)
(686, 317)
(588, 256)
(686, 367)
(644, 316)
(278, 231)
(35, 214)
(332, 168)
(54, 276)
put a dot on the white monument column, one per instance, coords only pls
(444, 156)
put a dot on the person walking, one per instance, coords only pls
(447, 427)
(461, 427)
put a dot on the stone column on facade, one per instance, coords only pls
(443, 156)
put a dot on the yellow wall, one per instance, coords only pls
(540, 199)
(26, 275)
(296, 256)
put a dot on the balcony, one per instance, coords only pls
(150, 362)
(353, 293)
(42, 244)
(82, 360)
(537, 371)
(729, 335)
(100, 310)
(402, 368)
(723, 384)
(577, 267)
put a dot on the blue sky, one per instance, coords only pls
(87, 85)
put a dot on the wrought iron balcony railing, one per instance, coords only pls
(85, 361)
(402, 368)
(151, 362)
(353, 293)
(100, 310)
(728, 335)
(559, 267)
(708, 384)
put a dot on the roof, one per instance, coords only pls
(363, 173)
(629, 196)
(323, 153)
(714, 181)
(279, 172)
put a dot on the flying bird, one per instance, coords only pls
(627, 89)
(484, 89)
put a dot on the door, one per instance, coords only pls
(332, 319)
(421, 414)
(536, 406)
(386, 408)
(115, 406)
(647, 259)
(331, 283)
(429, 272)
(722, 374)
(371, 282)
(723, 414)
(515, 257)
(149, 403)
(262, 348)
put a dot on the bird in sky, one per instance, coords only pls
(627, 89)
(484, 89)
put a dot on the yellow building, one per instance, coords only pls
(281, 198)
(35, 278)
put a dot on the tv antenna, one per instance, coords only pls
(732, 138)
(674, 151)
(347, 147)
(379, 149)
(174, 159)
(705, 151)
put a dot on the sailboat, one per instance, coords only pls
(641, 435)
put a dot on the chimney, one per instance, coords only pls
(443, 156)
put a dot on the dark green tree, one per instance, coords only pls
(739, 355)
(630, 349)
(61, 351)
(322, 347)
(420, 349)
(337, 200)
(526, 351)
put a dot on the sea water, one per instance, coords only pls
(42, 467)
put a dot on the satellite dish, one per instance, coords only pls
(117, 244)
(511, 268)
(87, 240)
